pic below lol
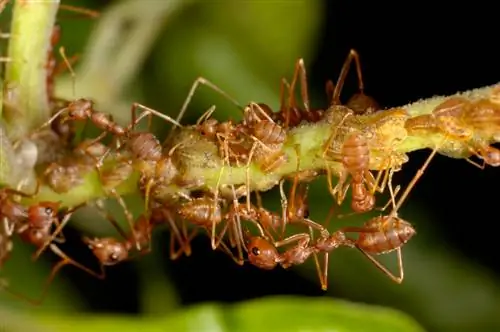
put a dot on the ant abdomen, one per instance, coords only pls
(145, 146)
(355, 153)
(389, 238)
(269, 132)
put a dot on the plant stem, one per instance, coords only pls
(27, 106)
(200, 163)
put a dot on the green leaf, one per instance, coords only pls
(268, 314)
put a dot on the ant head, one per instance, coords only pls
(42, 214)
(406, 230)
(108, 251)
(362, 104)
(492, 156)
(262, 253)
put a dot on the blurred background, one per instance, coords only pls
(151, 52)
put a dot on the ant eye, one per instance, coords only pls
(48, 211)
(306, 213)
(255, 251)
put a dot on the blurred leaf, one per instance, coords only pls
(12, 321)
(158, 294)
(244, 47)
(270, 314)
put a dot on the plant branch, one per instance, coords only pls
(200, 162)
(26, 105)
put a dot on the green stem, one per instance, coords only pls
(26, 105)
(200, 165)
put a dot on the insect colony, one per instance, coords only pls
(207, 177)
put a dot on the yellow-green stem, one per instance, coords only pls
(307, 141)
(26, 103)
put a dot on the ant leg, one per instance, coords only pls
(329, 217)
(176, 253)
(295, 180)
(323, 273)
(413, 181)
(194, 87)
(333, 135)
(329, 89)
(99, 205)
(183, 240)
(300, 70)
(205, 116)
(56, 232)
(85, 11)
(61, 67)
(480, 166)
(353, 55)
(254, 106)
(128, 216)
(284, 108)
(392, 201)
(15, 192)
(62, 52)
(304, 237)
(147, 194)
(237, 226)
(384, 269)
(147, 112)
(247, 174)
(284, 208)
(284, 85)
(226, 249)
(225, 149)
(65, 260)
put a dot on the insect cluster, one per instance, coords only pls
(207, 177)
